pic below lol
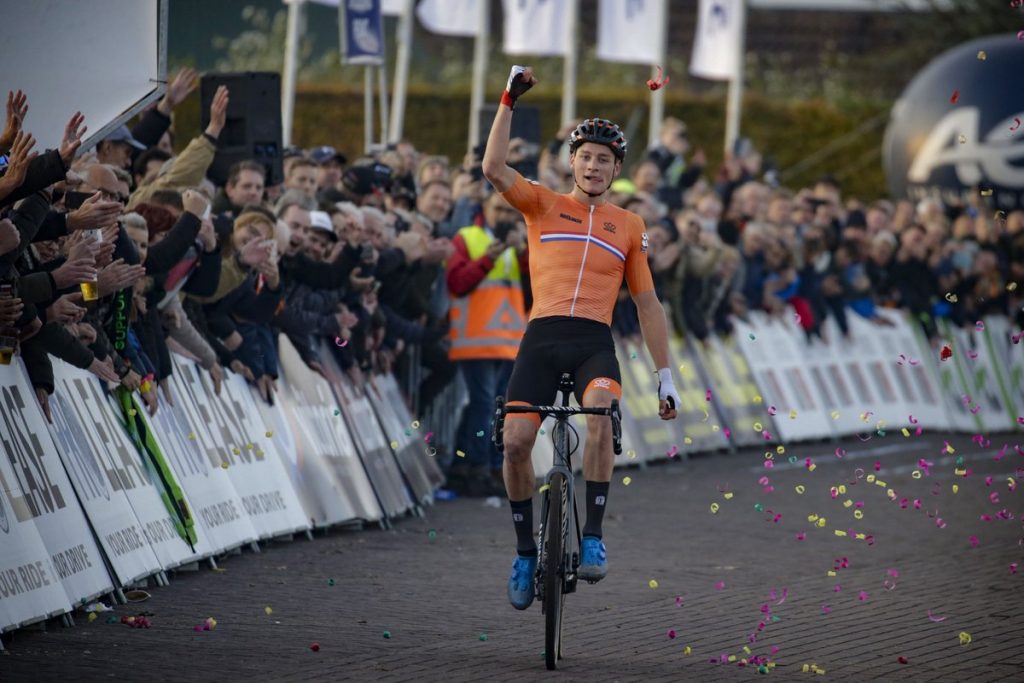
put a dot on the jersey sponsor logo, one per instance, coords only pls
(610, 227)
(571, 218)
(643, 242)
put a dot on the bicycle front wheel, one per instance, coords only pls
(554, 568)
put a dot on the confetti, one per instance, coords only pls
(657, 83)
(825, 609)
(1020, 35)
(483, 637)
(934, 618)
(671, 633)
(653, 583)
(480, 433)
(626, 481)
(340, 343)
(951, 298)
(191, 436)
(679, 601)
(720, 585)
(752, 337)
(962, 139)
(862, 596)
(840, 452)
(387, 635)
(631, 454)
(269, 434)
(954, 97)
(415, 424)
(965, 638)
(982, 55)
(394, 445)
(800, 489)
(268, 610)
(315, 647)
(772, 410)
(714, 508)
(901, 659)
(330, 582)
(945, 353)
(687, 651)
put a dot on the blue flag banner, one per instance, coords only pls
(362, 32)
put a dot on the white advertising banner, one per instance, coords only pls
(450, 17)
(76, 560)
(85, 409)
(1007, 344)
(325, 451)
(211, 495)
(408, 444)
(388, 387)
(978, 370)
(716, 52)
(227, 426)
(628, 31)
(538, 27)
(30, 587)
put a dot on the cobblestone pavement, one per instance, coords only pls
(441, 597)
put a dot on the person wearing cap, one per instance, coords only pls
(116, 148)
(331, 162)
(320, 237)
(365, 185)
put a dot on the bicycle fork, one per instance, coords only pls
(571, 523)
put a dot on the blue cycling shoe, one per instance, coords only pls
(520, 584)
(594, 566)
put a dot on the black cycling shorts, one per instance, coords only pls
(556, 344)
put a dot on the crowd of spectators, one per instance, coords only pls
(112, 257)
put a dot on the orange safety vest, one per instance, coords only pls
(489, 322)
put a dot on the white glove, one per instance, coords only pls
(667, 389)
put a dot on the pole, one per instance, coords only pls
(734, 104)
(480, 49)
(291, 65)
(382, 83)
(403, 38)
(657, 113)
(569, 64)
(367, 108)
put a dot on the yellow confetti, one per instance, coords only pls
(687, 440)
(682, 366)
(858, 514)
(870, 478)
(758, 427)
(191, 436)
(821, 522)
(956, 487)
(987, 192)
(461, 454)
(268, 610)
(544, 488)
(652, 583)
(746, 650)
(880, 483)
(687, 651)
(812, 467)
(234, 449)
(792, 414)
(269, 434)
(715, 428)
(835, 414)
(1012, 287)
(626, 481)
(950, 449)
(952, 298)
(714, 508)
(860, 536)
(906, 432)
(224, 465)
(415, 424)
(92, 616)
(812, 518)
(132, 412)
(916, 474)
(705, 419)
(769, 455)
(842, 489)
(839, 532)
(632, 454)
(780, 449)
(757, 398)
(394, 445)
(258, 451)
(847, 503)
(831, 572)
(249, 446)
(728, 495)
(890, 493)
(982, 55)
(965, 638)
(732, 658)
(800, 489)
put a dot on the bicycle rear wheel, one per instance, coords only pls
(554, 568)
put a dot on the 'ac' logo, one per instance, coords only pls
(956, 140)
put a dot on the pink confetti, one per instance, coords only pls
(801, 536)
(840, 452)
(672, 452)
(707, 395)
(913, 420)
(772, 410)
(956, 93)
(837, 588)
(1020, 420)
(679, 601)
(1016, 119)
(973, 540)
(862, 596)
(894, 573)
(878, 466)
(727, 432)
(657, 82)
(720, 585)
(825, 609)
(671, 634)
(979, 326)
(339, 342)
(888, 585)
(972, 354)
(1013, 567)
(935, 619)
(975, 410)
(428, 436)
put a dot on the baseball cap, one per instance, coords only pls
(292, 151)
(364, 180)
(325, 153)
(122, 134)
(321, 221)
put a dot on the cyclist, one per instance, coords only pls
(580, 248)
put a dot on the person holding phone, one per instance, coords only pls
(487, 319)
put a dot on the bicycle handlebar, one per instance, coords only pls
(558, 412)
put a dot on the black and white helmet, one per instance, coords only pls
(601, 132)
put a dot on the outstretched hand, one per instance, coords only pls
(17, 108)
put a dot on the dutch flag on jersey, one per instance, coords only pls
(573, 237)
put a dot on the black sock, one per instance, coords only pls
(522, 518)
(597, 495)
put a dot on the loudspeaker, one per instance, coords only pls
(253, 127)
(525, 122)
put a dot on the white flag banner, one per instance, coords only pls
(450, 17)
(537, 27)
(716, 53)
(393, 8)
(629, 31)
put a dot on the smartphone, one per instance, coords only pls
(74, 199)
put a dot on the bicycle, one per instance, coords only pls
(559, 552)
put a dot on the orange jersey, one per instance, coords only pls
(579, 253)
